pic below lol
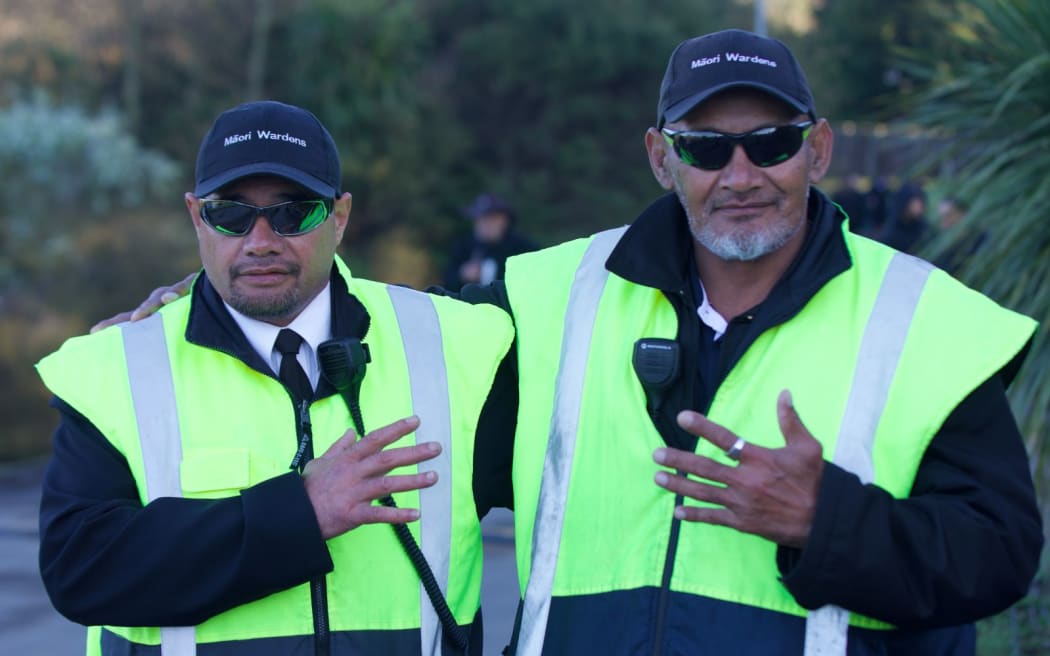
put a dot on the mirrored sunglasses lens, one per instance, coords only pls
(298, 217)
(773, 147)
(227, 217)
(705, 152)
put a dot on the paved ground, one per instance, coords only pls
(30, 627)
(28, 624)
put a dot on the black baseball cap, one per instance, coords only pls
(705, 65)
(268, 137)
(488, 204)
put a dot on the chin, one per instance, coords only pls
(264, 306)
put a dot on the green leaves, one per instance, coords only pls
(62, 169)
(994, 102)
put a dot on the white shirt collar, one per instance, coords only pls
(314, 325)
(710, 316)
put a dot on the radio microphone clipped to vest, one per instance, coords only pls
(657, 362)
(342, 362)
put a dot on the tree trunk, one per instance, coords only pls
(260, 41)
(131, 87)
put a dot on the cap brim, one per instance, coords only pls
(214, 183)
(679, 109)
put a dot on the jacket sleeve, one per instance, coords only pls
(494, 439)
(964, 545)
(107, 559)
(494, 442)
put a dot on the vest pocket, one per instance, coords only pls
(215, 473)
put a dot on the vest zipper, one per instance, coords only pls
(318, 586)
(665, 585)
(319, 605)
(305, 452)
(667, 427)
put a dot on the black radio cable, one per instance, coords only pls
(342, 362)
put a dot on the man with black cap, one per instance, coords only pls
(216, 467)
(481, 256)
(833, 465)
(743, 429)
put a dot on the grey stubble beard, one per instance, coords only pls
(737, 246)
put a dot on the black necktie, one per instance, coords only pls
(290, 373)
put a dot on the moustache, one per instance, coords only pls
(257, 268)
(742, 199)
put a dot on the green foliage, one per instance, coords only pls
(993, 106)
(851, 62)
(434, 102)
(370, 88)
(72, 238)
(61, 169)
(557, 102)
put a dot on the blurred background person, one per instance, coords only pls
(950, 211)
(907, 226)
(481, 256)
(851, 199)
(876, 207)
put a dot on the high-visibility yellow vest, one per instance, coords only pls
(420, 345)
(875, 362)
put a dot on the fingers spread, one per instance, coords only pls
(697, 424)
(380, 438)
(692, 488)
(797, 437)
(348, 439)
(375, 514)
(691, 463)
(382, 486)
(389, 459)
(719, 516)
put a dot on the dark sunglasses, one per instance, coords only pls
(295, 217)
(765, 147)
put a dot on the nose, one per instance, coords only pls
(739, 174)
(261, 239)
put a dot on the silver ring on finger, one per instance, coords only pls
(733, 452)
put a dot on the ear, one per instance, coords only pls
(659, 155)
(193, 206)
(341, 214)
(822, 141)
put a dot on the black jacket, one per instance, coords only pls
(906, 562)
(106, 559)
(470, 248)
(964, 545)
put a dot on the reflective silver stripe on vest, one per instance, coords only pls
(153, 397)
(587, 287)
(421, 336)
(880, 351)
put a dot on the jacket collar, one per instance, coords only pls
(657, 251)
(211, 326)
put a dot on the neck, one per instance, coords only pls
(735, 286)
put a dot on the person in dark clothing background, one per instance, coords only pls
(906, 229)
(481, 256)
(851, 199)
(876, 207)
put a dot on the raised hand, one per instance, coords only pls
(352, 473)
(769, 492)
